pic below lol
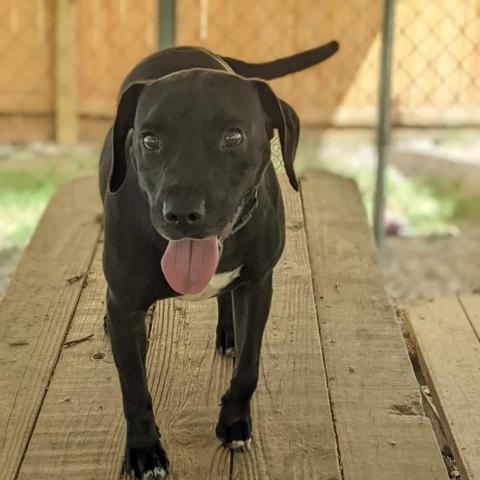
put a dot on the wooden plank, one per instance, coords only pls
(83, 437)
(379, 421)
(292, 426)
(36, 311)
(65, 71)
(187, 379)
(449, 354)
(80, 430)
(471, 305)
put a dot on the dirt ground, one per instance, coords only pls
(424, 267)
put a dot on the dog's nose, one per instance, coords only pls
(175, 214)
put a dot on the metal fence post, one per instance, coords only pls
(383, 127)
(166, 23)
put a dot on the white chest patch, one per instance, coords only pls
(218, 281)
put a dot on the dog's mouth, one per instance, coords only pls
(190, 263)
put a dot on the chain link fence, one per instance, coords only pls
(436, 58)
(48, 73)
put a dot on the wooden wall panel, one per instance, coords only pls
(113, 35)
(26, 71)
(436, 53)
(26, 46)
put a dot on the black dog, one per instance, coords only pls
(193, 209)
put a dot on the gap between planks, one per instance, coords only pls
(445, 330)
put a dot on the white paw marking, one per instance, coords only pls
(158, 472)
(230, 352)
(217, 282)
(240, 445)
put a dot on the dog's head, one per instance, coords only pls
(199, 142)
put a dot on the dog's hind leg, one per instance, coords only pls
(225, 334)
(145, 459)
(251, 306)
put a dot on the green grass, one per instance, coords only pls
(27, 182)
(464, 204)
(426, 205)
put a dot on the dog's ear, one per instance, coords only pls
(282, 117)
(127, 106)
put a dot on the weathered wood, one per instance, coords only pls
(292, 425)
(187, 379)
(81, 421)
(379, 421)
(36, 311)
(76, 428)
(80, 430)
(449, 353)
(66, 130)
(471, 305)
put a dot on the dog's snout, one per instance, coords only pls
(186, 214)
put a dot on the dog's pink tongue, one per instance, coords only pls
(188, 265)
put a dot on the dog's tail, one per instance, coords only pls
(283, 66)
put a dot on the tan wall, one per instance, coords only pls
(437, 57)
(113, 35)
(111, 40)
(26, 81)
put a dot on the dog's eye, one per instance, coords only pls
(232, 137)
(151, 142)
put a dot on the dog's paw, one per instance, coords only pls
(237, 436)
(225, 339)
(147, 463)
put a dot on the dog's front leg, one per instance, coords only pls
(145, 458)
(225, 336)
(251, 306)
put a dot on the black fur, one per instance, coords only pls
(188, 97)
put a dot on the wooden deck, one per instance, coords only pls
(447, 336)
(337, 397)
